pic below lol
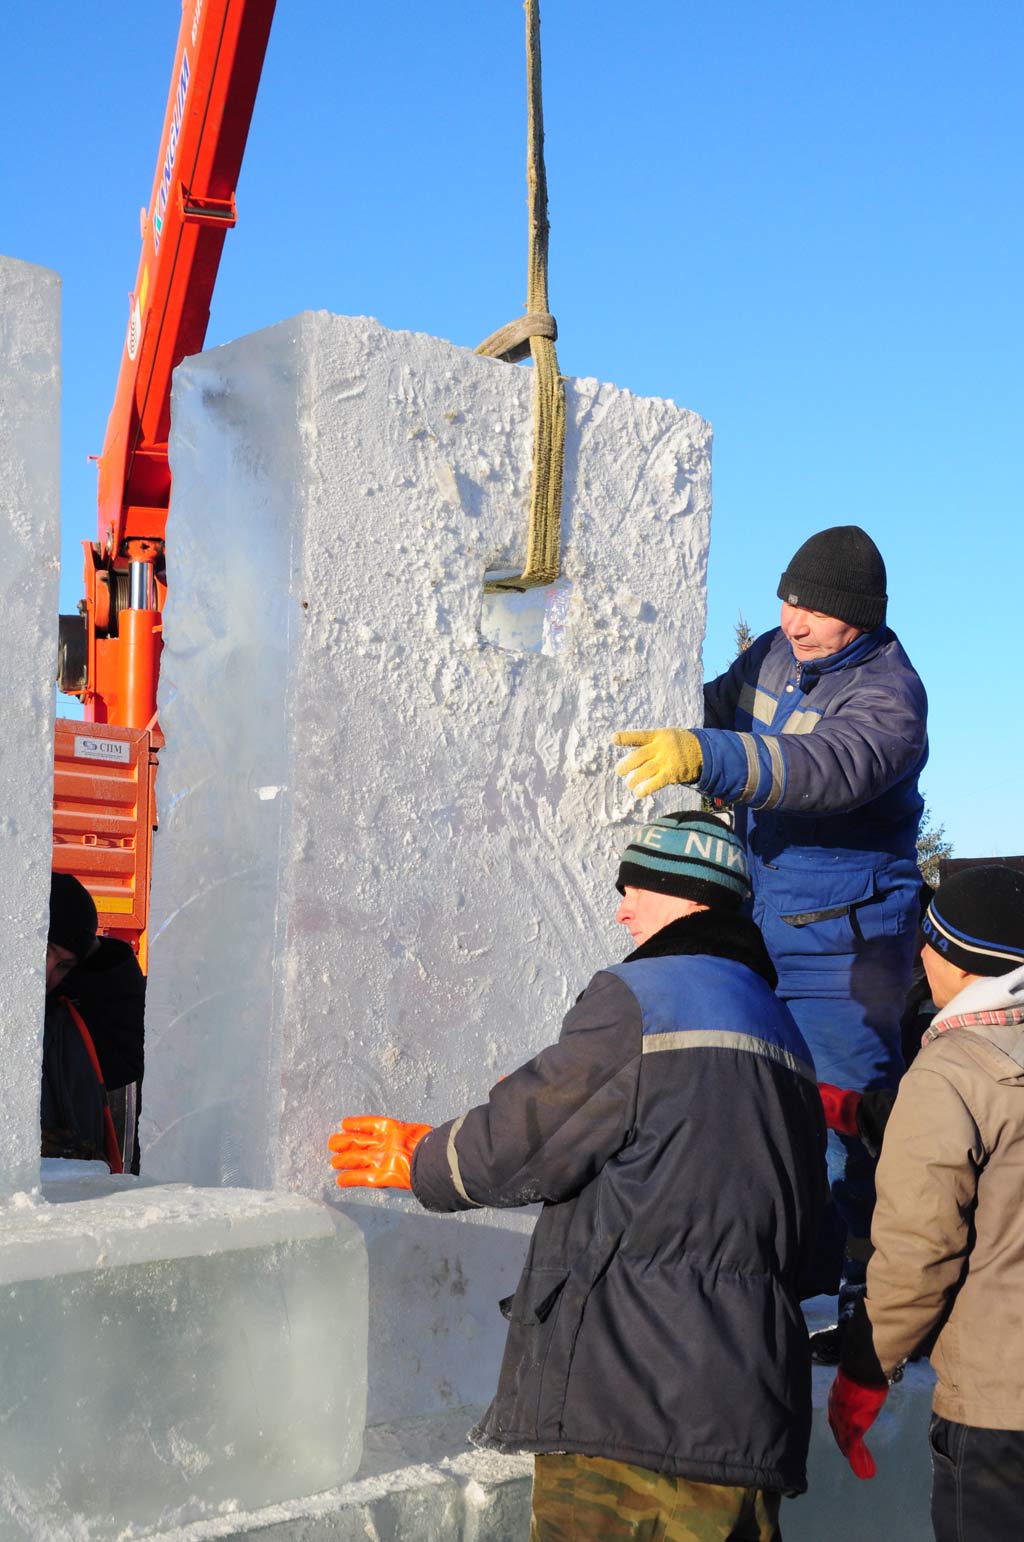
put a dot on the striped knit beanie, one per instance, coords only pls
(694, 856)
(976, 920)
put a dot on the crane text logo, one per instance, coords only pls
(97, 748)
(172, 149)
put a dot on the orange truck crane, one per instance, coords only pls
(109, 652)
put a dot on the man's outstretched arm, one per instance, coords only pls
(546, 1128)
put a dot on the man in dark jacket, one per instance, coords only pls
(93, 1035)
(108, 988)
(817, 734)
(71, 1101)
(657, 1361)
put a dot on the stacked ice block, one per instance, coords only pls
(390, 825)
(170, 1353)
(165, 1353)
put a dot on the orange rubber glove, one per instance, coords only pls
(374, 1152)
(852, 1410)
(662, 756)
(840, 1107)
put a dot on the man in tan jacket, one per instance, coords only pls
(947, 1275)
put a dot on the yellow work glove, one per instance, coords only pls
(662, 756)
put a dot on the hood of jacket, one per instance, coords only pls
(992, 1008)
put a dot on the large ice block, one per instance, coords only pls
(389, 822)
(29, 570)
(169, 1353)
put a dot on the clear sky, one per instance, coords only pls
(802, 220)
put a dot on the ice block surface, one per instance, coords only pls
(29, 570)
(171, 1353)
(389, 820)
(839, 1507)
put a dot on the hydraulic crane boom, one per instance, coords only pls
(110, 658)
(108, 654)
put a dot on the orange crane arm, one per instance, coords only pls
(108, 654)
(217, 65)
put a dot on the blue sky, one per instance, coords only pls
(803, 221)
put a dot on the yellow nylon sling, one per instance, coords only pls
(535, 333)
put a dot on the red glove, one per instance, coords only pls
(852, 1410)
(840, 1108)
(373, 1152)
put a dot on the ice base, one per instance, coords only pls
(421, 1481)
(170, 1353)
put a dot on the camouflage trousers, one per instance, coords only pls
(593, 1499)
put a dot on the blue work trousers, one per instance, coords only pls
(852, 1049)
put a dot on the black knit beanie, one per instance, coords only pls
(976, 919)
(693, 856)
(72, 915)
(840, 573)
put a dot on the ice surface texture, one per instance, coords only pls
(29, 570)
(387, 847)
(170, 1353)
(418, 1482)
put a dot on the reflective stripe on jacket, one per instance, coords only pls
(823, 759)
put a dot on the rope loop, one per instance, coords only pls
(512, 341)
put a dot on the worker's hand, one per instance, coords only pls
(662, 756)
(373, 1152)
(852, 1410)
(840, 1107)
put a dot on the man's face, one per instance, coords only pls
(643, 912)
(945, 980)
(59, 962)
(814, 636)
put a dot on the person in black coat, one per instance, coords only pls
(657, 1362)
(93, 1039)
(71, 1100)
(109, 990)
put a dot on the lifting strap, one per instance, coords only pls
(536, 331)
(111, 1145)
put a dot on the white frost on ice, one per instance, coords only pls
(30, 383)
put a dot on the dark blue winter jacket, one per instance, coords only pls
(825, 758)
(675, 1136)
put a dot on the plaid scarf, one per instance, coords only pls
(1004, 1017)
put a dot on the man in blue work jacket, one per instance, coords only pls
(656, 1362)
(817, 734)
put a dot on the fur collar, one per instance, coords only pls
(720, 933)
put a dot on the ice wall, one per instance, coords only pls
(172, 1353)
(387, 846)
(29, 543)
